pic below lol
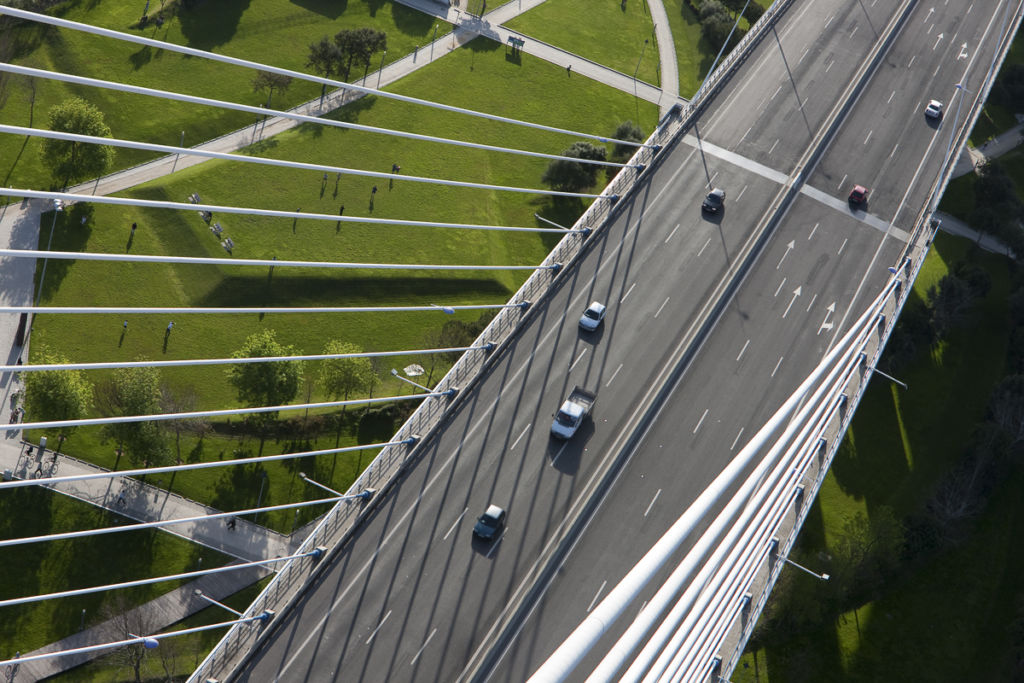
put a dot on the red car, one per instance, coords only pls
(859, 194)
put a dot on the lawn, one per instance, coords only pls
(63, 565)
(945, 621)
(237, 28)
(958, 200)
(609, 33)
(994, 118)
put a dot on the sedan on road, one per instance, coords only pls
(859, 195)
(489, 525)
(715, 201)
(593, 316)
(933, 110)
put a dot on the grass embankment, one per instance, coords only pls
(271, 31)
(995, 118)
(945, 620)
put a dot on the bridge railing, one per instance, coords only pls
(333, 528)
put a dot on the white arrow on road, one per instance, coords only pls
(796, 293)
(963, 52)
(825, 324)
(789, 248)
(937, 39)
(929, 15)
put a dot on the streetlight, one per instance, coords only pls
(381, 69)
(637, 69)
(432, 41)
(420, 386)
(823, 577)
(365, 495)
(199, 594)
(58, 206)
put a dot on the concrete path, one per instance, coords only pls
(955, 226)
(668, 67)
(973, 157)
(145, 503)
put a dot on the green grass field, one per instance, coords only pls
(996, 119)
(945, 621)
(272, 31)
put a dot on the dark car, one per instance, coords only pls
(714, 202)
(859, 194)
(490, 524)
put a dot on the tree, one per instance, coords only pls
(716, 22)
(265, 80)
(265, 384)
(1008, 90)
(69, 160)
(121, 622)
(136, 391)
(1006, 408)
(325, 59)
(57, 394)
(627, 131)
(358, 45)
(949, 301)
(571, 176)
(342, 376)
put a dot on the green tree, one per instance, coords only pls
(325, 59)
(265, 384)
(265, 80)
(136, 391)
(627, 131)
(339, 377)
(571, 176)
(715, 22)
(358, 46)
(57, 394)
(67, 160)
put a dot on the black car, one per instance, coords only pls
(490, 524)
(714, 202)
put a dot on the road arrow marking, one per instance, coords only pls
(825, 324)
(930, 13)
(938, 39)
(796, 293)
(963, 52)
(789, 248)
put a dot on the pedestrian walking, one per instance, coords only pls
(124, 326)
(341, 211)
(134, 225)
(568, 70)
(170, 326)
(374, 190)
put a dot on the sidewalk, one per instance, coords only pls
(973, 157)
(955, 226)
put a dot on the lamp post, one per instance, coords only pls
(823, 577)
(419, 386)
(178, 155)
(637, 69)
(58, 206)
(199, 594)
(365, 495)
(380, 71)
(432, 41)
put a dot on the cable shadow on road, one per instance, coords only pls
(796, 91)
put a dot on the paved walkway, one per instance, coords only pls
(668, 67)
(973, 157)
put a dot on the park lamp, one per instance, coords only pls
(365, 495)
(447, 309)
(199, 594)
(148, 642)
(823, 577)
(446, 392)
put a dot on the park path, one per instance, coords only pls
(668, 67)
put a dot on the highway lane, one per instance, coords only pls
(412, 595)
(769, 338)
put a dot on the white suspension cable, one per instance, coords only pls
(92, 421)
(166, 469)
(283, 163)
(68, 535)
(181, 310)
(171, 47)
(145, 582)
(197, 260)
(230, 361)
(71, 197)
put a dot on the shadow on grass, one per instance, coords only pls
(253, 291)
(332, 9)
(210, 24)
(69, 234)
(411, 21)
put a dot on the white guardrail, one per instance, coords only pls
(333, 528)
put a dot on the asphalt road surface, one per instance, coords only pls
(413, 596)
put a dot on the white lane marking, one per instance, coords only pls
(829, 65)
(662, 306)
(829, 20)
(455, 524)
(772, 149)
(776, 93)
(911, 62)
(612, 378)
(372, 635)
(526, 428)
(420, 651)
(746, 134)
(736, 440)
(496, 543)
(812, 302)
(741, 193)
(704, 247)
(701, 420)
(781, 284)
(652, 503)
(869, 136)
(893, 152)
(777, 365)
(579, 357)
(559, 453)
(806, 50)
(889, 101)
(745, 345)
(591, 606)
(854, 32)
(713, 175)
(970, 8)
(671, 234)
(936, 72)
(796, 292)
(841, 183)
(813, 230)
(628, 291)
(789, 248)
(842, 245)
(929, 31)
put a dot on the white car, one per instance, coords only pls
(933, 110)
(593, 316)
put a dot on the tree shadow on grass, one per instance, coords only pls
(412, 22)
(70, 234)
(350, 113)
(332, 9)
(211, 23)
